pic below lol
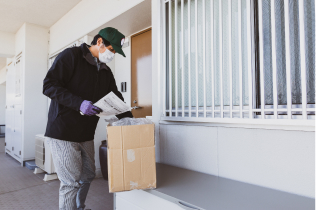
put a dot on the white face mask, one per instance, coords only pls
(106, 57)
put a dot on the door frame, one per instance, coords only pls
(130, 44)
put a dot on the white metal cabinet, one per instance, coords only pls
(14, 109)
(18, 81)
(25, 92)
(10, 85)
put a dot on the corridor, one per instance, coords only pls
(20, 189)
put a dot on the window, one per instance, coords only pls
(240, 59)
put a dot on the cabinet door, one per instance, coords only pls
(18, 81)
(18, 130)
(9, 85)
(9, 117)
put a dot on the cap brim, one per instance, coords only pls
(118, 50)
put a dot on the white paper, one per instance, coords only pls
(111, 105)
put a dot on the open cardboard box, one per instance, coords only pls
(131, 157)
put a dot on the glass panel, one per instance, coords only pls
(295, 52)
(167, 55)
(213, 49)
(200, 54)
(186, 51)
(173, 52)
(309, 22)
(280, 51)
(192, 55)
(179, 52)
(225, 53)
(235, 52)
(216, 56)
(208, 51)
(267, 52)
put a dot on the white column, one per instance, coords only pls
(204, 57)
(249, 60)
(189, 53)
(274, 68)
(170, 62)
(288, 58)
(240, 59)
(196, 61)
(221, 57)
(303, 60)
(182, 57)
(176, 55)
(261, 60)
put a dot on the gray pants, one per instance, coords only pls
(75, 168)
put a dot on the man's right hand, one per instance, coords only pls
(87, 108)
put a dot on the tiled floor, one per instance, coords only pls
(20, 189)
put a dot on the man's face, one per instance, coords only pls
(102, 47)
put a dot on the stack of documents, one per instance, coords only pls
(111, 105)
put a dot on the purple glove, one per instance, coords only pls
(87, 108)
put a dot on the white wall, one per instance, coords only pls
(278, 159)
(2, 103)
(7, 43)
(111, 64)
(85, 17)
(32, 40)
(20, 40)
(123, 72)
(3, 74)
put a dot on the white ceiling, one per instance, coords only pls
(13, 13)
(131, 21)
(2, 62)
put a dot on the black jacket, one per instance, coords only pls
(73, 78)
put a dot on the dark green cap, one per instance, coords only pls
(115, 37)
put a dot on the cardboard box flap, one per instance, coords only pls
(138, 136)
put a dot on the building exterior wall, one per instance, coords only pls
(278, 159)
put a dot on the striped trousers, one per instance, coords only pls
(75, 168)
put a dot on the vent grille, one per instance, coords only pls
(40, 152)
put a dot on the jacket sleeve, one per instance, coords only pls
(113, 88)
(57, 78)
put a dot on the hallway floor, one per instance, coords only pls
(20, 189)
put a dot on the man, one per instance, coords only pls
(78, 78)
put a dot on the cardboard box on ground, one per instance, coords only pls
(131, 157)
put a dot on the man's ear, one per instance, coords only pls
(99, 41)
